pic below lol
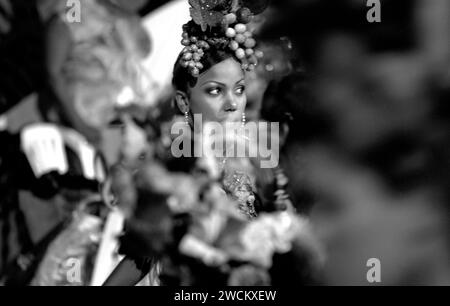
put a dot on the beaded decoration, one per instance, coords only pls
(222, 24)
(282, 201)
(239, 186)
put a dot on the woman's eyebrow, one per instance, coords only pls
(218, 83)
(241, 80)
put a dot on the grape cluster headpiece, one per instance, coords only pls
(221, 24)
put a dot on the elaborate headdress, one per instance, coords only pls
(220, 24)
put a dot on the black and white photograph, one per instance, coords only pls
(247, 145)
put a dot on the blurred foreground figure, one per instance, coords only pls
(369, 138)
(94, 66)
(57, 166)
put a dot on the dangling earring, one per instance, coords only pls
(186, 118)
(244, 120)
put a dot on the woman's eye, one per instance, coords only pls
(214, 91)
(240, 90)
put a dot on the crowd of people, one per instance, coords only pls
(94, 191)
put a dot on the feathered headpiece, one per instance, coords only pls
(221, 24)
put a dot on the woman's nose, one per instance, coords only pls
(231, 103)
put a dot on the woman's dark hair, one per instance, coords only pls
(291, 101)
(182, 79)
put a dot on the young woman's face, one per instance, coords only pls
(219, 94)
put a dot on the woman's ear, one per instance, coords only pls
(284, 133)
(182, 101)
